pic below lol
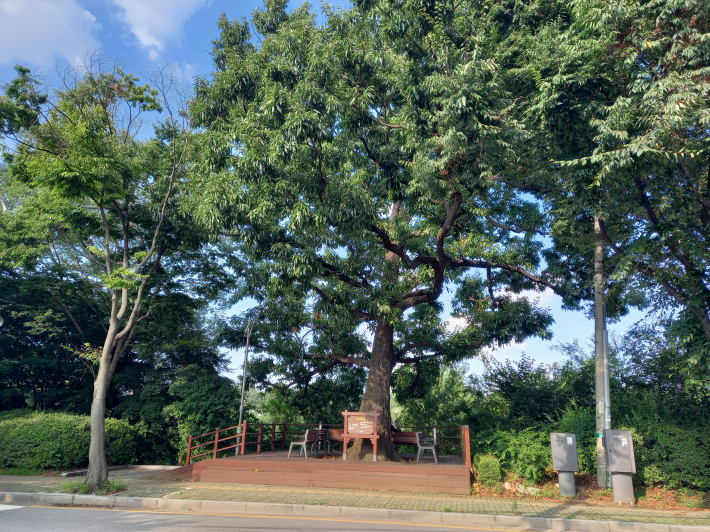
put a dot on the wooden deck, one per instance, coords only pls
(274, 469)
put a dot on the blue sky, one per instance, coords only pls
(47, 35)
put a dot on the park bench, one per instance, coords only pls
(423, 443)
(321, 440)
(335, 435)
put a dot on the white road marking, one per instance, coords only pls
(9, 507)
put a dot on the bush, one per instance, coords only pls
(45, 440)
(487, 469)
(674, 456)
(527, 453)
(582, 423)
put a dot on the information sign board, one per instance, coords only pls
(360, 425)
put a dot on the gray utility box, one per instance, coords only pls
(619, 450)
(564, 451)
(621, 463)
(565, 460)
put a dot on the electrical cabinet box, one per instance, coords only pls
(619, 451)
(564, 451)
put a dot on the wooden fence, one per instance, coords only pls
(270, 436)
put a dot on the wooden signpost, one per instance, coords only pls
(360, 425)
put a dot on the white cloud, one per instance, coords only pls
(513, 350)
(454, 325)
(543, 298)
(155, 23)
(39, 32)
(186, 72)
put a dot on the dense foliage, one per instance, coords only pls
(514, 406)
(60, 441)
(354, 178)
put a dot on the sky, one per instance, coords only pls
(49, 35)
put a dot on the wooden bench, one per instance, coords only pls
(401, 438)
(404, 438)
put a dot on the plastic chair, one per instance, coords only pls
(308, 437)
(426, 443)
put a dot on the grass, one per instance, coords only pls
(447, 508)
(693, 499)
(110, 486)
(75, 486)
(22, 471)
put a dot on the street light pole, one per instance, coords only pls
(601, 359)
(247, 333)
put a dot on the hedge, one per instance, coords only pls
(666, 455)
(487, 469)
(44, 440)
(674, 456)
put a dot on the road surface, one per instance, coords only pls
(68, 519)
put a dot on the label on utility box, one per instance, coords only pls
(624, 442)
(569, 441)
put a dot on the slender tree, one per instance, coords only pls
(100, 209)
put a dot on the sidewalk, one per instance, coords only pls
(202, 491)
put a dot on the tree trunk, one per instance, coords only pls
(97, 473)
(98, 468)
(377, 397)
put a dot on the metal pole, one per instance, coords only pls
(601, 359)
(247, 333)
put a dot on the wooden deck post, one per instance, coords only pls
(273, 436)
(466, 445)
(216, 443)
(189, 450)
(244, 436)
(283, 437)
(258, 438)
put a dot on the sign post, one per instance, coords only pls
(360, 425)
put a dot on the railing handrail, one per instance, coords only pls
(282, 428)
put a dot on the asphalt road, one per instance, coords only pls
(51, 519)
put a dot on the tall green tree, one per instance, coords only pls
(362, 168)
(622, 94)
(100, 212)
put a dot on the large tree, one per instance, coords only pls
(622, 96)
(362, 168)
(99, 215)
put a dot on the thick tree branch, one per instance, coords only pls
(539, 279)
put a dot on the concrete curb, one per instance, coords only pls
(118, 467)
(342, 512)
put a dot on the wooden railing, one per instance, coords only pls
(270, 435)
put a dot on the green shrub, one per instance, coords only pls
(674, 456)
(487, 469)
(527, 453)
(45, 440)
(582, 423)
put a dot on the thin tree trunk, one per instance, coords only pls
(377, 397)
(97, 473)
(98, 468)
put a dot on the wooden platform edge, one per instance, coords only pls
(421, 479)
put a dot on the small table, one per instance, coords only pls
(360, 425)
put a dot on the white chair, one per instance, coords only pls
(426, 443)
(308, 437)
